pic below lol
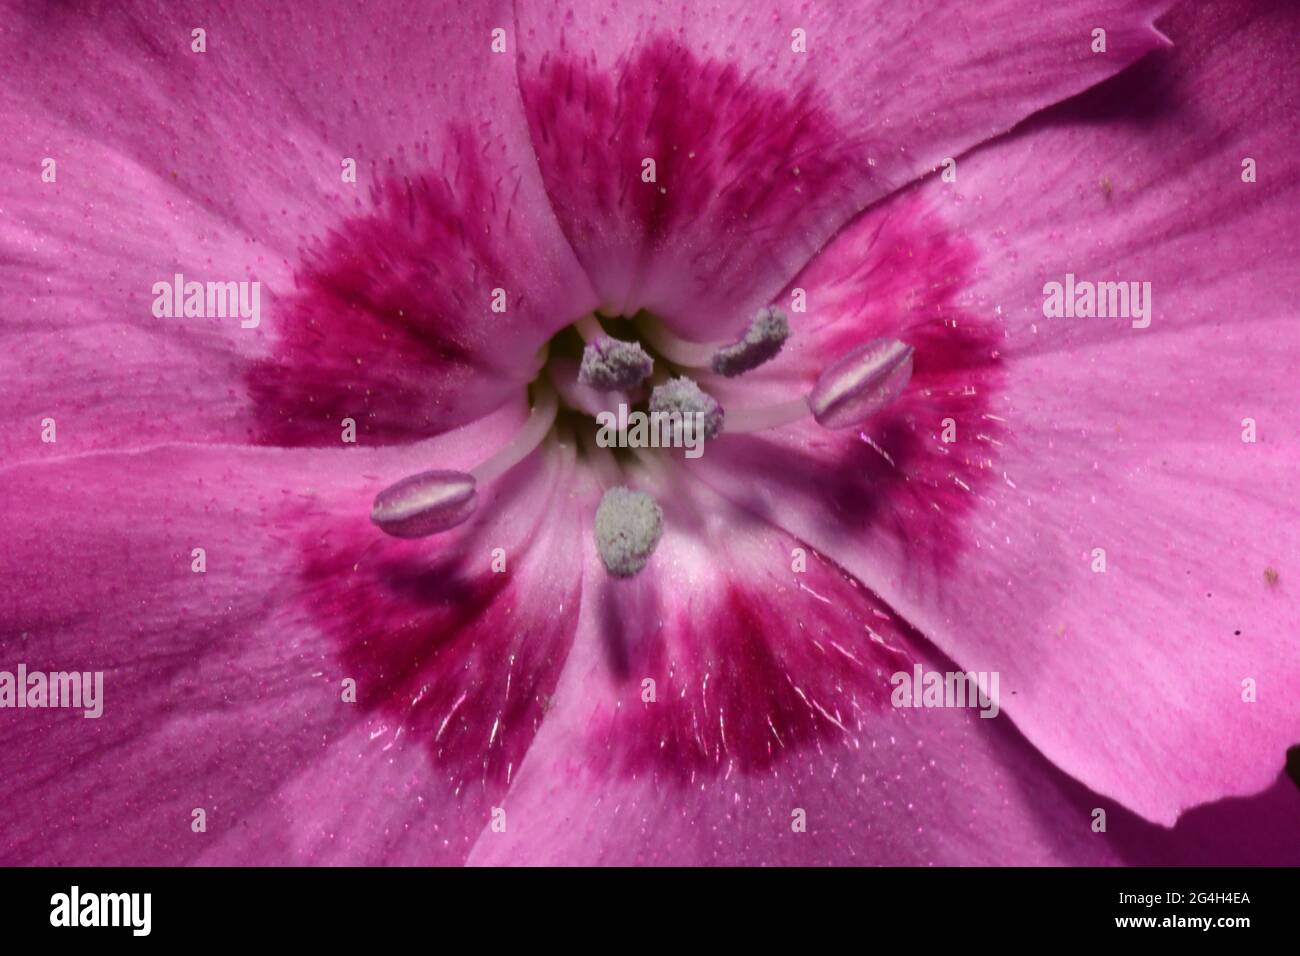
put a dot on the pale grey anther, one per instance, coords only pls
(683, 397)
(629, 525)
(613, 365)
(861, 383)
(425, 504)
(761, 343)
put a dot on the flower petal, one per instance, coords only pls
(1164, 681)
(225, 690)
(771, 708)
(376, 296)
(760, 151)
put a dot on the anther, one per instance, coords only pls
(628, 527)
(850, 390)
(861, 383)
(438, 500)
(613, 365)
(682, 396)
(425, 504)
(761, 343)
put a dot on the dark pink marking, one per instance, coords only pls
(390, 321)
(741, 167)
(773, 664)
(462, 659)
(897, 272)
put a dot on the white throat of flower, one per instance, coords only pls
(629, 523)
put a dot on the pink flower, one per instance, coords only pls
(1098, 511)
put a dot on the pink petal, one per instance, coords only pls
(226, 166)
(761, 152)
(1259, 830)
(772, 696)
(1077, 434)
(223, 690)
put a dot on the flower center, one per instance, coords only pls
(596, 370)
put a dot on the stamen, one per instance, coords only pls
(861, 383)
(847, 393)
(613, 365)
(562, 374)
(742, 420)
(589, 328)
(539, 362)
(629, 525)
(433, 501)
(761, 343)
(425, 504)
(678, 351)
(526, 439)
(682, 396)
